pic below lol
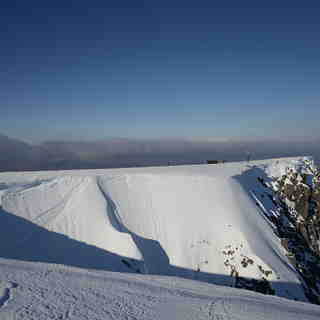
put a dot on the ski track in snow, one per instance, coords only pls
(218, 310)
(47, 216)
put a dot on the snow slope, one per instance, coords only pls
(194, 222)
(43, 291)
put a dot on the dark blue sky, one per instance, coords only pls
(97, 69)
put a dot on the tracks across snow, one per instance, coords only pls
(219, 310)
(42, 202)
(56, 292)
(5, 292)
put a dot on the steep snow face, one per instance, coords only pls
(198, 222)
(205, 228)
(193, 217)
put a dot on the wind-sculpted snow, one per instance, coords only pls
(196, 222)
(72, 208)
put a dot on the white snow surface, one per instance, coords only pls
(47, 291)
(165, 221)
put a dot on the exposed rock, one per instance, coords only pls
(297, 195)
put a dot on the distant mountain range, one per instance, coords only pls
(16, 155)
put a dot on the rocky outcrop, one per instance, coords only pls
(297, 194)
(302, 200)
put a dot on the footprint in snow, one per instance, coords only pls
(5, 292)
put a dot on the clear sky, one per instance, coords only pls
(155, 68)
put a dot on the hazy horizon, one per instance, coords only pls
(127, 152)
(209, 139)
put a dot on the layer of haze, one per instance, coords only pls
(17, 155)
(150, 69)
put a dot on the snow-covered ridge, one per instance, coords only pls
(207, 223)
(200, 222)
